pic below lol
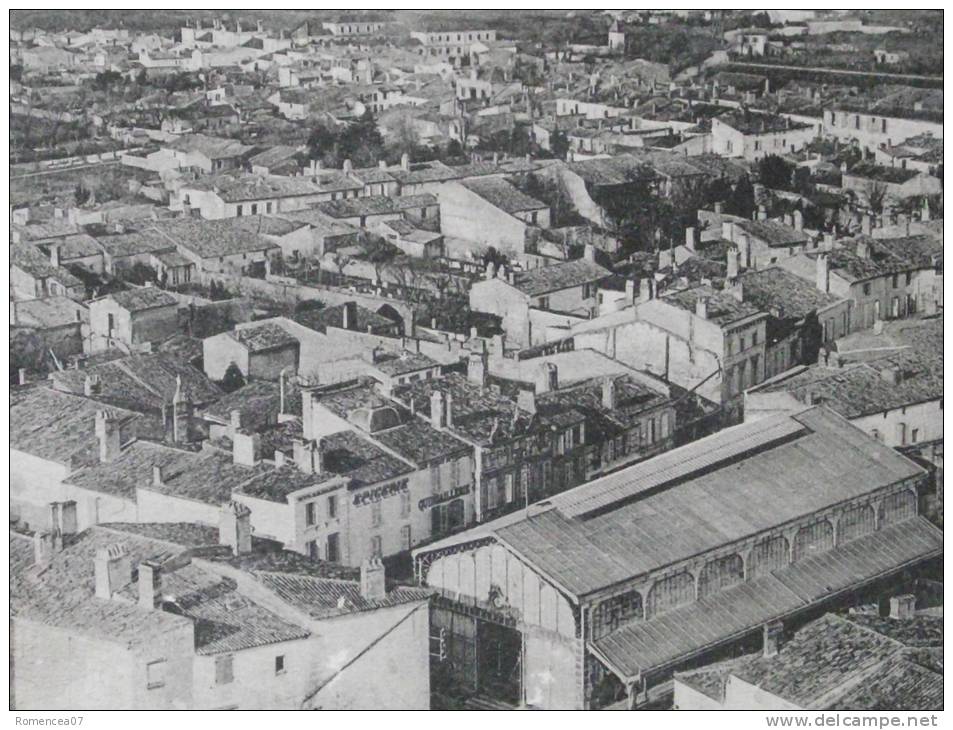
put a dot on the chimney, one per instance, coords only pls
(282, 395)
(347, 167)
(449, 408)
(526, 400)
(925, 211)
(690, 235)
(490, 270)
(646, 289)
(373, 580)
(181, 414)
(608, 392)
(55, 254)
(235, 420)
(107, 431)
(863, 250)
(261, 27)
(798, 220)
(589, 252)
(902, 607)
(90, 385)
(701, 307)
(762, 213)
(113, 568)
(891, 375)
(157, 475)
(63, 518)
(865, 224)
(307, 456)
(43, 547)
(547, 378)
(719, 207)
(733, 263)
(150, 584)
(234, 527)
(405, 162)
(823, 273)
(773, 638)
(477, 368)
(727, 231)
(737, 289)
(436, 409)
(349, 315)
(828, 241)
(630, 294)
(246, 448)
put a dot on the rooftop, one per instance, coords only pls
(215, 238)
(49, 312)
(723, 308)
(777, 290)
(139, 299)
(758, 123)
(556, 277)
(880, 173)
(214, 148)
(774, 234)
(502, 194)
(264, 336)
(723, 488)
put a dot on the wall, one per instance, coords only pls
(34, 483)
(926, 418)
(871, 134)
(466, 215)
(158, 507)
(687, 698)
(268, 364)
(219, 351)
(498, 297)
(550, 678)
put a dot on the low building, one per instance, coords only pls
(892, 184)
(34, 276)
(133, 319)
(181, 616)
(260, 350)
(596, 595)
(762, 243)
(56, 325)
(754, 136)
(206, 153)
(859, 662)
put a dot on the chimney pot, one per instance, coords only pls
(234, 527)
(903, 607)
(113, 570)
(373, 579)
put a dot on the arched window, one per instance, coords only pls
(856, 522)
(767, 556)
(899, 507)
(669, 593)
(615, 611)
(813, 539)
(720, 574)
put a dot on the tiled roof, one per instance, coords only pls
(56, 426)
(238, 188)
(275, 485)
(758, 123)
(819, 667)
(420, 443)
(259, 403)
(564, 275)
(502, 194)
(779, 290)
(324, 598)
(139, 299)
(321, 319)
(76, 246)
(215, 238)
(774, 234)
(215, 148)
(208, 477)
(871, 171)
(146, 240)
(141, 382)
(736, 483)
(265, 336)
(404, 362)
(49, 312)
(618, 170)
(374, 205)
(723, 308)
(29, 259)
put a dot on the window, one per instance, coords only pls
(238, 211)
(544, 302)
(405, 504)
(312, 548)
(333, 553)
(741, 344)
(376, 546)
(254, 208)
(332, 507)
(914, 435)
(280, 664)
(866, 289)
(895, 280)
(754, 339)
(268, 207)
(405, 537)
(309, 516)
(909, 278)
(224, 673)
(376, 514)
(110, 324)
(728, 343)
(509, 480)
(155, 674)
(454, 471)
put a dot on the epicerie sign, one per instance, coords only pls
(378, 493)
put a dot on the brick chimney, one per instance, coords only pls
(526, 400)
(44, 545)
(246, 448)
(437, 417)
(903, 607)
(701, 307)
(234, 527)
(373, 580)
(307, 456)
(773, 638)
(107, 431)
(150, 584)
(823, 273)
(113, 569)
(477, 368)
(608, 392)
(349, 316)
(547, 378)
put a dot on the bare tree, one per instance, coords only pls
(876, 193)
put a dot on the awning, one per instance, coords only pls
(644, 646)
